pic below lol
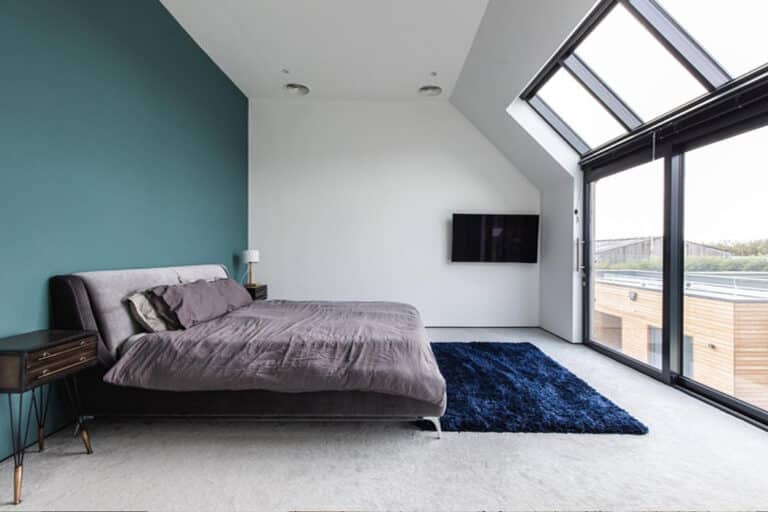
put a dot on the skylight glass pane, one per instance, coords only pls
(636, 66)
(582, 112)
(733, 32)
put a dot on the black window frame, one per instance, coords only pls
(707, 124)
(655, 332)
(730, 107)
(684, 48)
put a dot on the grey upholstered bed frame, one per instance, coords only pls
(92, 301)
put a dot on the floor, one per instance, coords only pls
(695, 458)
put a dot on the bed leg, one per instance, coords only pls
(436, 422)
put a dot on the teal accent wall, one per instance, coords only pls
(121, 145)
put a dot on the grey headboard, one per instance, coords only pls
(94, 300)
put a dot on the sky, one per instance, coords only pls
(726, 194)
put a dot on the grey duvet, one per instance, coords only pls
(291, 347)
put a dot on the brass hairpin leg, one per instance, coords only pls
(18, 472)
(86, 440)
(74, 399)
(41, 397)
(19, 441)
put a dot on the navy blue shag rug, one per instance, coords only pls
(515, 387)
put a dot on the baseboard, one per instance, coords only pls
(482, 327)
(505, 327)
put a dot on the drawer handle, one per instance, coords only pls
(48, 355)
(47, 373)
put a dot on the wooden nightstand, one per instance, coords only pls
(257, 291)
(31, 362)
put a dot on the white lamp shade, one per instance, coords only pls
(249, 256)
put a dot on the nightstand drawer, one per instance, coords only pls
(60, 360)
(66, 351)
(61, 366)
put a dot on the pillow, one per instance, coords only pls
(233, 293)
(145, 313)
(194, 303)
(163, 311)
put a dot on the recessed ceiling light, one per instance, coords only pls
(296, 89)
(430, 90)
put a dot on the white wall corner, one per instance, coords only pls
(552, 166)
(565, 203)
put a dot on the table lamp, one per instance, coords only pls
(249, 257)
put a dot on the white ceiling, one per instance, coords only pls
(345, 49)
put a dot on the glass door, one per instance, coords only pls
(725, 305)
(625, 292)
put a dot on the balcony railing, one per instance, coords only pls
(727, 286)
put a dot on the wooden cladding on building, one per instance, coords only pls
(729, 339)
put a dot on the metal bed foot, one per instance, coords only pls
(436, 422)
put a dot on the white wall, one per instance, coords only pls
(351, 200)
(560, 282)
(514, 41)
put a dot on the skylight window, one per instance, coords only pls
(636, 61)
(733, 32)
(579, 109)
(634, 64)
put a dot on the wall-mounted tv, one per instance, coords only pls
(495, 238)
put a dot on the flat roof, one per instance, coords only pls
(721, 286)
(609, 244)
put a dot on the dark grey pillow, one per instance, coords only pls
(193, 303)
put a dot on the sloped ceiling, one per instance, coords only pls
(513, 42)
(341, 49)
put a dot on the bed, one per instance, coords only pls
(278, 360)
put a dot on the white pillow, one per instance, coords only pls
(145, 313)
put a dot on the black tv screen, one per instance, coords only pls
(497, 238)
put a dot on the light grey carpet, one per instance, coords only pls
(695, 458)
